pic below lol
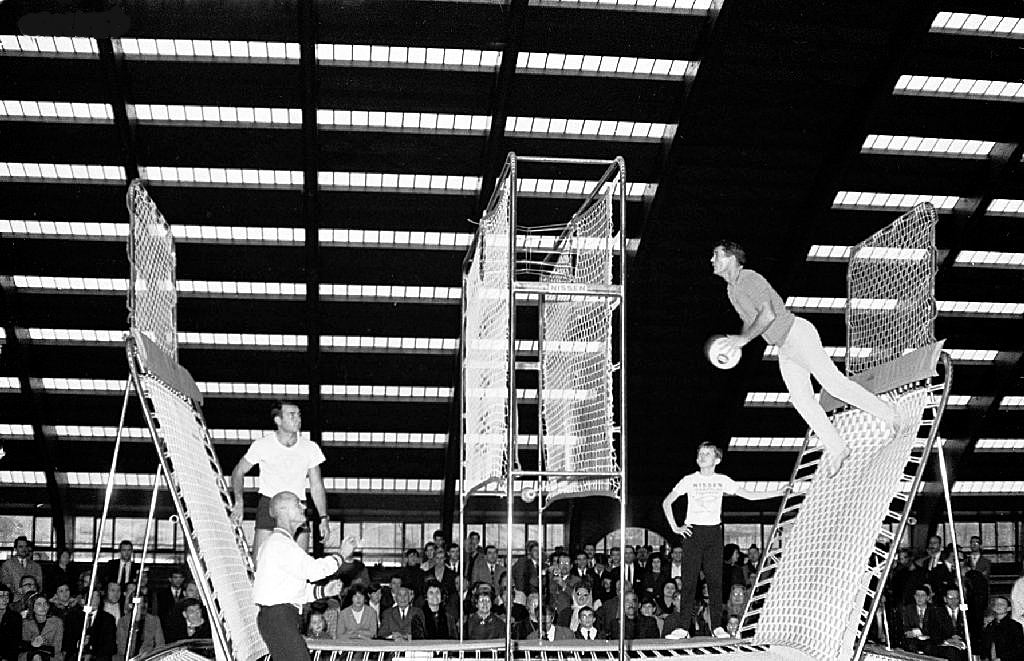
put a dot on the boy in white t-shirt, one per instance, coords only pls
(286, 460)
(702, 530)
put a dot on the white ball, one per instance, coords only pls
(528, 494)
(719, 355)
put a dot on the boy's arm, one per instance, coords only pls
(666, 505)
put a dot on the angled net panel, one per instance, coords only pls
(818, 591)
(890, 305)
(198, 481)
(576, 393)
(486, 331)
(152, 296)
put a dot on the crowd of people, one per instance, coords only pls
(42, 608)
(924, 605)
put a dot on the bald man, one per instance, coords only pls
(284, 580)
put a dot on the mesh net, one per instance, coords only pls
(576, 394)
(486, 359)
(891, 300)
(817, 593)
(152, 298)
(197, 481)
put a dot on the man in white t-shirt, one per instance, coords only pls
(702, 530)
(285, 462)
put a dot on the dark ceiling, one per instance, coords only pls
(760, 132)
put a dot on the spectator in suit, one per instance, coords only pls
(63, 572)
(122, 569)
(358, 621)
(588, 625)
(918, 622)
(446, 576)
(165, 598)
(750, 566)
(943, 575)
(388, 592)
(482, 624)
(10, 626)
(196, 623)
(951, 630)
(402, 622)
(560, 583)
(487, 570)
(412, 575)
(632, 570)
(637, 626)
(904, 578)
(591, 551)
(581, 566)
(549, 630)
(608, 613)
(42, 635)
(674, 567)
(1003, 637)
(438, 624)
(471, 554)
(597, 573)
(102, 634)
(932, 557)
(654, 578)
(20, 564)
(570, 617)
(526, 571)
(174, 624)
(977, 561)
(531, 622)
(614, 558)
(23, 598)
(148, 634)
(429, 557)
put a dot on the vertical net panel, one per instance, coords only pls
(486, 357)
(184, 437)
(890, 306)
(152, 297)
(576, 394)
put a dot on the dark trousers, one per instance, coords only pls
(703, 550)
(281, 629)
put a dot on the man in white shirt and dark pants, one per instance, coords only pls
(284, 575)
(285, 460)
(702, 531)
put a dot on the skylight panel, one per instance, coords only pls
(399, 183)
(64, 230)
(606, 66)
(1012, 402)
(70, 285)
(346, 238)
(390, 293)
(170, 115)
(386, 393)
(62, 172)
(79, 113)
(197, 340)
(988, 487)
(454, 59)
(769, 443)
(377, 344)
(983, 25)
(1000, 445)
(948, 308)
(1004, 207)
(206, 50)
(223, 177)
(921, 146)
(990, 259)
(964, 356)
(685, 7)
(960, 88)
(890, 201)
(70, 47)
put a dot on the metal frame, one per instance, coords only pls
(615, 170)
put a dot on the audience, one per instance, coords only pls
(438, 623)
(20, 564)
(317, 627)
(482, 624)
(402, 622)
(549, 629)
(1003, 637)
(358, 621)
(42, 635)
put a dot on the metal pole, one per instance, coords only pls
(513, 418)
(956, 549)
(540, 481)
(620, 162)
(137, 598)
(88, 608)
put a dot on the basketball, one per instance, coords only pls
(719, 355)
(528, 494)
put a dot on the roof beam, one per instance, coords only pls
(309, 77)
(493, 156)
(117, 86)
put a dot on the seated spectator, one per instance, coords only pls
(1003, 637)
(649, 609)
(560, 583)
(732, 625)
(402, 622)
(27, 588)
(388, 592)
(358, 621)
(429, 557)
(581, 566)
(165, 598)
(20, 564)
(977, 561)
(487, 569)
(439, 571)
(526, 571)
(736, 602)
(588, 625)
(636, 626)
(521, 630)
(674, 619)
(600, 578)
(317, 627)
(482, 624)
(750, 566)
(549, 630)
(665, 598)
(375, 595)
(112, 602)
(942, 576)
(148, 634)
(951, 632)
(61, 602)
(196, 624)
(412, 576)
(732, 569)
(437, 622)
(569, 617)
(10, 626)
(42, 635)
(62, 573)
(174, 623)
(608, 613)
(653, 580)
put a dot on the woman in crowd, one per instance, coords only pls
(732, 569)
(483, 624)
(429, 556)
(357, 622)
(42, 635)
(317, 627)
(664, 599)
(63, 573)
(653, 580)
(62, 602)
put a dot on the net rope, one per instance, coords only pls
(486, 358)
(185, 437)
(576, 358)
(891, 291)
(153, 298)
